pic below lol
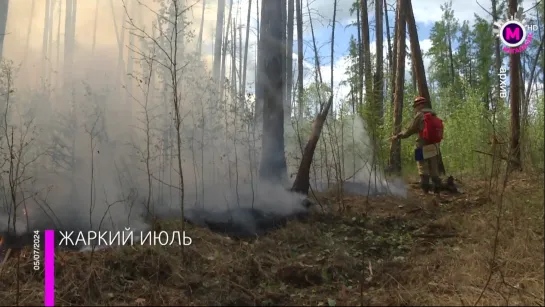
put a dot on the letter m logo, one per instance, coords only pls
(510, 34)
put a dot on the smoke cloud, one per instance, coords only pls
(92, 145)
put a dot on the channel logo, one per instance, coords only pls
(514, 35)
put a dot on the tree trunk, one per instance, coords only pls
(497, 57)
(418, 64)
(130, 67)
(300, 85)
(395, 149)
(360, 56)
(95, 28)
(224, 50)
(69, 38)
(413, 77)
(245, 67)
(514, 100)
(416, 54)
(240, 54)
(219, 37)
(450, 53)
(45, 37)
(388, 38)
(283, 43)
(273, 161)
(332, 60)
(4, 8)
(532, 77)
(120, 50)
(199, 42)
(234, 61)
(302, 179)
(73, 23)
(29, 29)
(258, 91)
(59, 18)
(522, 81)
(120, 37)
(379, 84)
(368, 74)
(68, 44)
(50, 40)
(394, 57)
(289, 59)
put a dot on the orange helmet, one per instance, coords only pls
(419, 100)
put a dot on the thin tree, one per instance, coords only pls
(45, 37)
(29, 29)
(497, 56)
(120, 49)
(289, 54)
(366, 46)
(69, 43)
(201, 28)
(394, 57)
(240, 52)
(514, 99)
(284, 64)
(246, 43)
(59, 18)
(218, 41)
(130, 65)
(360, 54)
(379, 79)
(95, 28)
(224, 50)
(233, 53)
(388, 38)
(300, 85)
(451, 29)
(4, 6)
(395, 149)
(258, 108)
(50, 40)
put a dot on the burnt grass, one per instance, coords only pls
(380, 251)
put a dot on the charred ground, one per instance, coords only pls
(376, 251)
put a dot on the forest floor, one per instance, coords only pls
(382, 251)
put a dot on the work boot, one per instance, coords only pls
(436, 184)
(425, 183)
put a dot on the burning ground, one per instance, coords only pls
(381, 251)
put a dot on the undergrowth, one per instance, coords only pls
(409, 251)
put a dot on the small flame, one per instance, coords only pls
(24, 212)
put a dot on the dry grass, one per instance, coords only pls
(414, 251)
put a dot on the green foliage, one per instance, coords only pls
(466, 130)
(462, 80)
(534, 135)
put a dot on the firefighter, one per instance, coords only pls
(429, 130)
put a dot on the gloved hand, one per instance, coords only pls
(394, 137)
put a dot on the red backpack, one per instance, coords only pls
(433, 129)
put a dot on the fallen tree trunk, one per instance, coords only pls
(302, 180)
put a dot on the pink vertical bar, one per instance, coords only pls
(49, 268)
